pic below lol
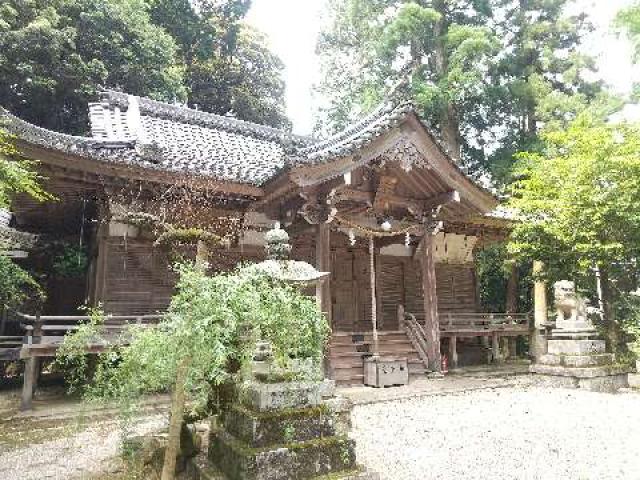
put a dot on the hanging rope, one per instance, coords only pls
(374, 307)
(371, 232)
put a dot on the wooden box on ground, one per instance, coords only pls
(385, 371)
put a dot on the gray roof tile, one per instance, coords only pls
(142, 132)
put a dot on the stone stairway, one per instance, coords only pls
(347, 350)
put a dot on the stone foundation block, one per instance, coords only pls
(634, 380)
(576, 347)
(552, 381)
(262, 429)
(587, 372)
(340, 408)
(608, 384)
(577, 361)
(274, 396)
(305, 460)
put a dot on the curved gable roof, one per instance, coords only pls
(147, 134)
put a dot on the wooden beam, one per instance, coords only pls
(323, 264)
(452, 196)
(431, 320)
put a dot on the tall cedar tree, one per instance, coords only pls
(484, 73)
(228, 68)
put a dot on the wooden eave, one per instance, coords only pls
(443, 174)
(132, 172)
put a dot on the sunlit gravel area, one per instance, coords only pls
(67, 452)
(506, 433)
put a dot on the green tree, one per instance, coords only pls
(16, 176)
(55, 55)
(578, 200)
(545, 75)
(484, 73)
(228, 68)
(628, 20)
(443, 47)
(210, 329)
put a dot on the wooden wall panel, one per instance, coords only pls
(391, 290)
(137, 278)
(456, 288)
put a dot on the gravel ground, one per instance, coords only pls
(77, 454)
(507, 433)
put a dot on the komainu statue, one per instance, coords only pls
(571, 308)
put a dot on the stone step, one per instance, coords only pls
(310, 459)
(354, 380)
(264, 429)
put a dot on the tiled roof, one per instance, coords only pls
(142, 132)
(156, 135)
(381, 120)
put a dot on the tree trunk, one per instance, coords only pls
(178, 397)
(449, 121)
(175, 423)
(613, 331)
(512, 289)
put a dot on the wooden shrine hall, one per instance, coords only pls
(380, 205)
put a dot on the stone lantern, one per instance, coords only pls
(280, 430)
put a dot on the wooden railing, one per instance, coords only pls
(415, 332)
(9, 346)
(484, 322)
(454, 325)
(45, 333)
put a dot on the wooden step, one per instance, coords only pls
(348, 349)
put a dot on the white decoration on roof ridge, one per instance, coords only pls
(184, 114)
(134, 120)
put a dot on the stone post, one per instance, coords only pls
(538, 342)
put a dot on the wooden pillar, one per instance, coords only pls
(374, 298)
(100, 272)
(495, 347)
(453, 351)
(537, 340)
(323, 264)
(29, 383)
(431, 321)
(511, 350)
(202, 255)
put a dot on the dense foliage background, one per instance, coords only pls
(55, 55)
(486, 74)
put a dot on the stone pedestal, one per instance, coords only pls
(285, 431)
(580, 363)
(575, 356)
(634, 378)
